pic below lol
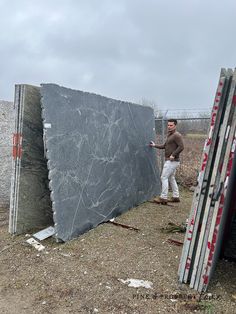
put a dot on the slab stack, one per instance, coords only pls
(6, 131)
(30, 205)
(212, 209)
(80, 159)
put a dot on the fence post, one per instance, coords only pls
(163, 127)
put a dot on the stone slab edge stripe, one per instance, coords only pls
(16, 158)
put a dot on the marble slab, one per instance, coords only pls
(229, 240)
(30, 205)
(230, 251)
(6, 131)
(99, 161)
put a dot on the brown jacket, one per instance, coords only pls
(173, 145)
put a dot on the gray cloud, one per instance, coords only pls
(169, 52)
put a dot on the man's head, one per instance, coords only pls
(171, 125)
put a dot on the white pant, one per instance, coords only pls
(168, 175)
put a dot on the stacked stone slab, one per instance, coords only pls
(94, 151)
(30, 205)
(210, 212)
(7, 119)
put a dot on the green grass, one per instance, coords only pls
(196, 135)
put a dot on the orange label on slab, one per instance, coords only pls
(17, 145)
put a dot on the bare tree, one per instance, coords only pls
(151, 103)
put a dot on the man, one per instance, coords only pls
(173, 147)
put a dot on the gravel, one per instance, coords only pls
(90, 274)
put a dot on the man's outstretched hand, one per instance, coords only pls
(152, 144)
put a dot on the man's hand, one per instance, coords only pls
(172, 158)
(152, 144)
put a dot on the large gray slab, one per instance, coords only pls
(99, 161)
(229, 241)
(230, 251)
(7, 119)
(30, 205)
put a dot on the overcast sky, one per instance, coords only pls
(167, 52)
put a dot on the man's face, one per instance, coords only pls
(171, 126)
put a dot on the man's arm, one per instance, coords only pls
(180, 145)
(152, 144)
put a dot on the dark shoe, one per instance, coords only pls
(160, 200)
(174, 200)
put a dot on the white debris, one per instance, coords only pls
(47, 125)
(44, 234)
(38, 246)
(66, 255)
(136, 283)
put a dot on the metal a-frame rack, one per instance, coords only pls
(208, 214)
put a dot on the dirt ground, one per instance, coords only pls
(84, 275)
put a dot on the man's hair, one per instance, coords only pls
(173, 120)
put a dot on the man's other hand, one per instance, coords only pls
(152, 144)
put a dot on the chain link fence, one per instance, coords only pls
(194, 132)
